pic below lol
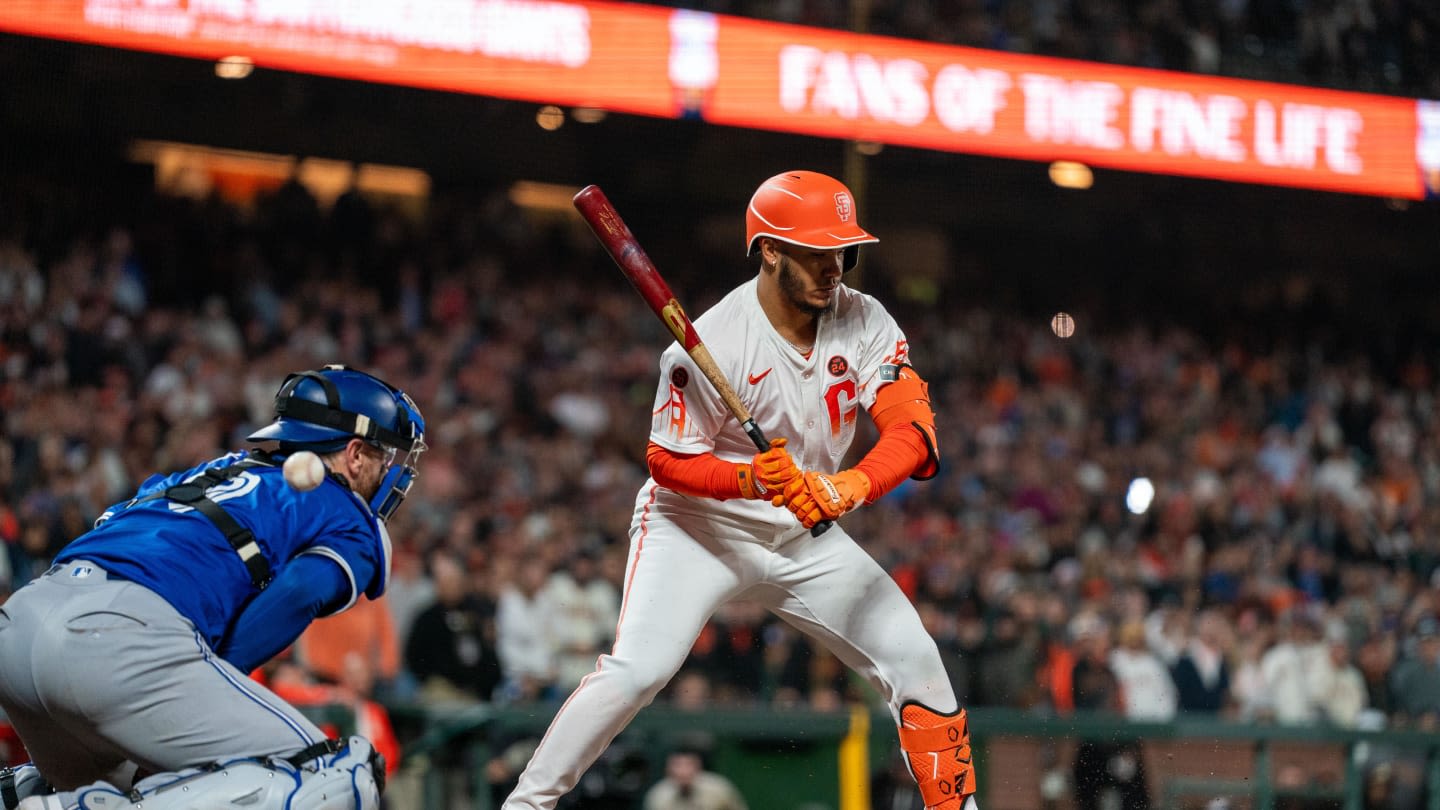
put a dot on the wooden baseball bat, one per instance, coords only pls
(624, 248)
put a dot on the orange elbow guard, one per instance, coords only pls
(906, 402)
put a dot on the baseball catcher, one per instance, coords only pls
(123, 667)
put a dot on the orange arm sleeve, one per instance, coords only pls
(899, 453)
(907, 446)
(701, 475)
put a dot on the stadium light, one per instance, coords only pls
(234, 67)
(550, 117)
(1070, 174)
(537, 196)
(1139, 496)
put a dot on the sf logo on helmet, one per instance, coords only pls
(843, 206)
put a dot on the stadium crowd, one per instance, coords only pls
(1384, 46)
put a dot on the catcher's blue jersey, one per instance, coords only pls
(178, 553)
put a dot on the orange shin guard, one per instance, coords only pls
(937, 747)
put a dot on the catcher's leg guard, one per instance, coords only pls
(937, 748)
(338, 776)
(19, 782)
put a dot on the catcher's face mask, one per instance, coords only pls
(399, 477)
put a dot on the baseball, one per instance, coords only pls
(1062, 325)
(304, 470)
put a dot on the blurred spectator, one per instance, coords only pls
(1009, 663)
(946, 628)
(1095, 686)
(732, 647)
(582, 610)
(1146, 688)
(1249, 693)
(1286, 669)
(689, 690)
(1416, 678)
(1376, 660)
(365, 630)
(1338, 686)
(1398, 774)
(1202, 674)
(687, 785)
(522, 638)
(803, 672)
(1106, 773)
(451, 646)
(410, 592)
(1167, 630)
(37, 547)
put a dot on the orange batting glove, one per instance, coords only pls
(767, 473)
(815, 496)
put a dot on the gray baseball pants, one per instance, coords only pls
(99, 676)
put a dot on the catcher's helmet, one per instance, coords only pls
(322, 410)
(808, 209)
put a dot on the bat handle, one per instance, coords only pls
(758, 437)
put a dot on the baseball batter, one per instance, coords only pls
(131, 652)
(718, 522)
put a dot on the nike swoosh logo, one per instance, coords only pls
(756, 378)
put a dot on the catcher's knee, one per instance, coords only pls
(336, 775)
(356, 768)
(20, 782)
(937, 749)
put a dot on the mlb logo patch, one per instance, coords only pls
(843, 206)
(81, 571)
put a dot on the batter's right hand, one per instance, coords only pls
(815, 497)
(768, 472)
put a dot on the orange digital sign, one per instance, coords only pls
(604, 55)
(750, 73)
(966, 100)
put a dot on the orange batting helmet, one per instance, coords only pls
(808, 209)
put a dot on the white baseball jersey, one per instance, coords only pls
(811, 401)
